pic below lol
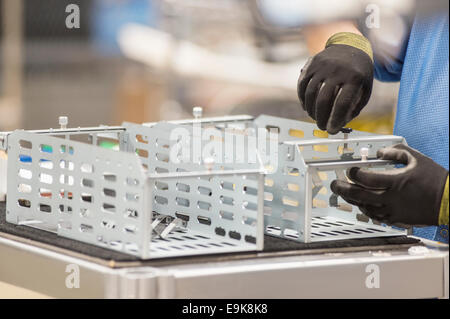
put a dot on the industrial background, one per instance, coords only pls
(83, 73)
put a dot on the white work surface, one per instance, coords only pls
(417, 272)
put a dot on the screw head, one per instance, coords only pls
(346, 130)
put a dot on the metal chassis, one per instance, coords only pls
(310, 168)
(151, 178)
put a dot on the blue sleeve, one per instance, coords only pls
(387, 70)
(387, 67)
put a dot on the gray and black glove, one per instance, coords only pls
(409, 195)
(337, 83)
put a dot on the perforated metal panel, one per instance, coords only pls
(78, 190)
(224, 202)
(297, 192)
(107, 198)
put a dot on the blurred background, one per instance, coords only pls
(150, 60)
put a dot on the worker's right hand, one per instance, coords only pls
(336, 83)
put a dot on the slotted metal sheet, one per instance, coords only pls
(106, 197)
(297, 192)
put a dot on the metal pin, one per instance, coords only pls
(364, 151)
(63, 121)
(197, 112)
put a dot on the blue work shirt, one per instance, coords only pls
(423, 103)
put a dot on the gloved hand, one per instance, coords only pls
(337, 83)
(409, 195)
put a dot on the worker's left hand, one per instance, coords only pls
(408, 195)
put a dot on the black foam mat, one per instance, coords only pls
(271, 244)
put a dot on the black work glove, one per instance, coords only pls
(409, 195)
(337, 83)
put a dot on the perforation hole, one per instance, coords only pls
(268, 182)
(226, 200)
(65, 194)
(250, 239)
(66, 149)
(162, 157)
(131, 213)
(226, 215)
(268, 196)
(63, 179)
(24, 188)
(25, 159)
(292, 171)
(109, 208)
(142, 139)
(65, 209)
(25, 144)
(161, 186)
(234, 235)
(182, 201)
(161, 170)
(132, 197)
(183, 187)
(220, 231)
(161, 200)
(320, 148)
(290, 201)
(25, 173)
(142, 153)
(87, 183)
(376, 230)
(87, 197)
(296, 133)
(204, 205)
(45, 178)
(110, 177)
(45, 208)
(45, 192)
(132, 181)
(249, 220)
(205, 191)
(44, 148)
(317, 234)
(320, 134)
(182, 216)
(68, 165)
(250, 191)
(109, 192)
(85, 228)
(250, 206)
(130, 229)
(162, 143)
(227, 185)
(87, 168)
(24, 203)
(46, 164)
(109, 224)
(319, 203)
(292, 187)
